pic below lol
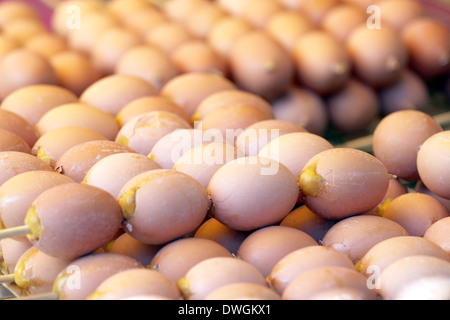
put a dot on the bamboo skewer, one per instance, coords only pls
(15, 232)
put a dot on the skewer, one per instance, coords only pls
(42, 296)
(15, 232)
(7, 278)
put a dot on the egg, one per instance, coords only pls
(397, 138)
(122, 8)
(398, 13)
(396, 188)
(127, 245)
(201, 20)
(243, 291)
(354, 236)
(438, 234)
(179, 10)
(76, 161)
(195, 286)
(10, 141)
(258, 13)
(143, 20)
(259, 64)
(12, 250)
(47, 44)
(79, 115)
(124, 165)
(317, 9)
(416, 212)
(53, 144)
(167, 36)
(113, 92)
(342, 19)
(14, 10)
(7, 45)
(421, 188)
(150, 220)
(23, 30)
(252, 192)
(435, 177)
(176, 258)
(149, 63)
(265, 247)
(16, 124)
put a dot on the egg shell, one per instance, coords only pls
(438, 234)
(307, 221)
(12, 250)
(341, 294)
(179, 10)
(342, 182)
(24, 29)
(72, 228)
(200, 280)
(203, 18)
(13, 163)
(213, 229)
(13, 10)
(416, 212)
(421, 188)
(317, 9)
(426, 288)
(134, 282)
(264, 247)
(7, 45)
(32, 102)
(167, 36)
(408, 269)
(36, 271)
(143, 20)
(122, 8)
(188, 90)
(386, 252)
(395, 145)
(436, 151)
(354, 236)
(395, 189)
(82, 277)
(303, 260)
(177, 257)
(47, 44)
(79, 115)
(53, 144)
(76, 161)
(18, 193)
(112, 172)
(233, 7)
(252, 192)
(315, 281)
(129, 246)
(259, 13)
(243, 291)
(143, 131)
(12, 142)
(113, 92)
(153, 221)
(342, 19)
(149, 63)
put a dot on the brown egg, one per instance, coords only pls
(302, 106)
(397, 139)
(420, 270)
(303, 260)
(188, 90)
(388, 251)
(227, 123)
(322, 63)
(79, 115)
(396, 188)
(179, 10)
(201, 20)
(252, 192)
(438, 234)
(10, 141)
(343, 182)
(243, 291)
(353, 108)
(143, 20)
(14, 10)
(122, 8)
(378, 55)
(14, 123)
(194, 285)
(133, 282)
(354, 236)
(113, 92)
(259, 64)
(176, 258)
(12, 250)
(228, 98)
(259, 13)
(409, 92)
(213, 229)
(233, 7)
(317, 280)
(198, 56)
(287, 27)
(264, 247)
(342, 294)
(203, 161)
(90, 271)
(75, 70)
(342, 19)
(36, 271)
(23, 30)
(258, 135)
(398, 13)
(124, 166)
(53, 144)
(225, 32)
(76, 161)
(7, 45)
(143, 131)
(32, 102)
(294, 5)
(421, 188)
(435, 150)
(111, 46)
(150, 220)
(47, 44)
(13, 163)
(167, 36)
(148, 63)
(315, 10)
(415, 212)
(22, 67)
(307, 221)
(125, 244)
